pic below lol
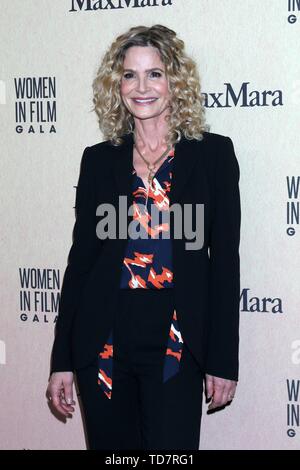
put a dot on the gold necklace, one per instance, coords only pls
(151, 166)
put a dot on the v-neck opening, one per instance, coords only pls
(171, 154)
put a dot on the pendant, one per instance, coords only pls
(150, 177)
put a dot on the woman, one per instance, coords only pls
(146, 317)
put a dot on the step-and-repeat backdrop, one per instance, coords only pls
(248, 57)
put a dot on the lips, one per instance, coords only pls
(144, 100)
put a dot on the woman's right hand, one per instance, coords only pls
(60, 392)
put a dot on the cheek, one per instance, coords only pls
(164, 89)
(124, 88)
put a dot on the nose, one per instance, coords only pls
(142, 84)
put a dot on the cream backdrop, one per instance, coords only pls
(238, 43)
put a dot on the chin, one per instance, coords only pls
(143, 118)
(146, 114)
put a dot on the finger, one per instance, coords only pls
(63, 401)
(59, 406)
(231, 394)
(55, 394)
(226, 396)
(68, 393)
(209, 384)
(217, 398)
(67, 408)
(65, 405)
(58, 401)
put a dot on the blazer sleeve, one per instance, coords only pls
(222, 358)
(82, 255)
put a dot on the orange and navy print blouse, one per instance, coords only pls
(147, 264)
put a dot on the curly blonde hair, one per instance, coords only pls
(187, 112)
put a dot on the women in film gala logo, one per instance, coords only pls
(39, 294)
(35, 105)
(293, 10)
(293, 394)
(293, 406)
(293, 204)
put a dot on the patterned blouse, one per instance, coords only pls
(147, 263)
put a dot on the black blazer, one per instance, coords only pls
(206, 281)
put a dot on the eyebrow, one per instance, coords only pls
(148, 70)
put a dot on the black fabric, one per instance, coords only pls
(144, 412)
(206, 280)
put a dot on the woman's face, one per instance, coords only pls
(144, 86)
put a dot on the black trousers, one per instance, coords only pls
(144, 412)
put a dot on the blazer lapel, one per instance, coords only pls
(123, 165)
(185, 157)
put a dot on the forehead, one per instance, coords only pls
(141, 57)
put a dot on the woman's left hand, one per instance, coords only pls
(219, 390)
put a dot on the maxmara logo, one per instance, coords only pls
(93, 5)
(250, 303)
(245, 97)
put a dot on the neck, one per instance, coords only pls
(151, 133)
